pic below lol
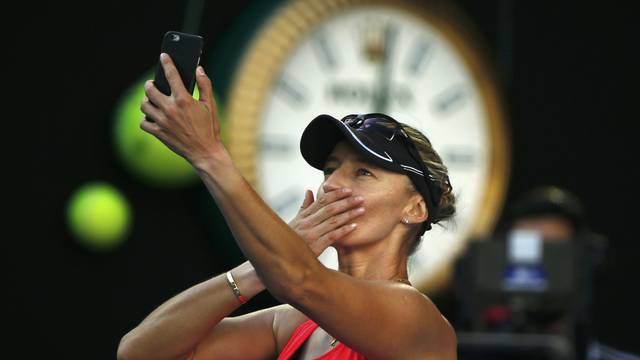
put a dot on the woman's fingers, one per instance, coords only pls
(336, 222)
(150, 127)
(334, 208)
(172, 75)
(205, 88)
(151, 112)
(328, 218)
(155, 96)
(308, 199)
(329, 238)
(325, 199)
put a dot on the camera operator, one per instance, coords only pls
(556, 217)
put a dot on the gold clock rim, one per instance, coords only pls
(293, 21)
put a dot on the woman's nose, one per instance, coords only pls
(334, 181)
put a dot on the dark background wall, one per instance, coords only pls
(566, 67)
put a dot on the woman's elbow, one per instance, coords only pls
(128, 350)
(301, 283)
(124, 351)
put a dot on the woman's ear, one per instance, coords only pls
(416, 210)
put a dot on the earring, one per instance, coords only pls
(404, 220)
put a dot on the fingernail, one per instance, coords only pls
(358, 198)
(200, 70)
(163, 56)
(353, 225)
(359, 210)
(346, 190)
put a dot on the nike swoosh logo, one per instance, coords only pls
(386, 158)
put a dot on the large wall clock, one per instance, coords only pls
(418, 62)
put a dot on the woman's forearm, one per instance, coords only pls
(175, 327)
(281, 257)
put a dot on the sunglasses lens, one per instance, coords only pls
(384, 126)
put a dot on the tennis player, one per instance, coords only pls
(384, 186)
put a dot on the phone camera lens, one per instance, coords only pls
(175, 37)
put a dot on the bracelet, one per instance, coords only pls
(235, 289)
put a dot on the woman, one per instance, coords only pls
(376, 200)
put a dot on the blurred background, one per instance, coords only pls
(121, 224)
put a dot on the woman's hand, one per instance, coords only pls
(329, 218)
(189, 127)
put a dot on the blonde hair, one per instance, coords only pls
(433, 162)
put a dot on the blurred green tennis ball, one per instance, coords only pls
(99, 216)
(146, 157)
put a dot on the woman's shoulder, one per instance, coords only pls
(439, 324)
(444, 333)
(287, 318)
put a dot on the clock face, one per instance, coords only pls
(378, 58)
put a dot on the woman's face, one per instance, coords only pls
(386, 194)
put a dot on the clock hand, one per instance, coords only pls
(382, 87)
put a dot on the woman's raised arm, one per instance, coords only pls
(191, 129)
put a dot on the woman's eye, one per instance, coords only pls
(363, 171)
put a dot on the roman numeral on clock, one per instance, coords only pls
(450, 100)
(419, 57)
(324, 51)
(292, 91)
(277, 145)
(459, 156)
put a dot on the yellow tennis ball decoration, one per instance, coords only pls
(99, 216)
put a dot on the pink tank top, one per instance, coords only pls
(300, 335)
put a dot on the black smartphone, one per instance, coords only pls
(185, 50)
